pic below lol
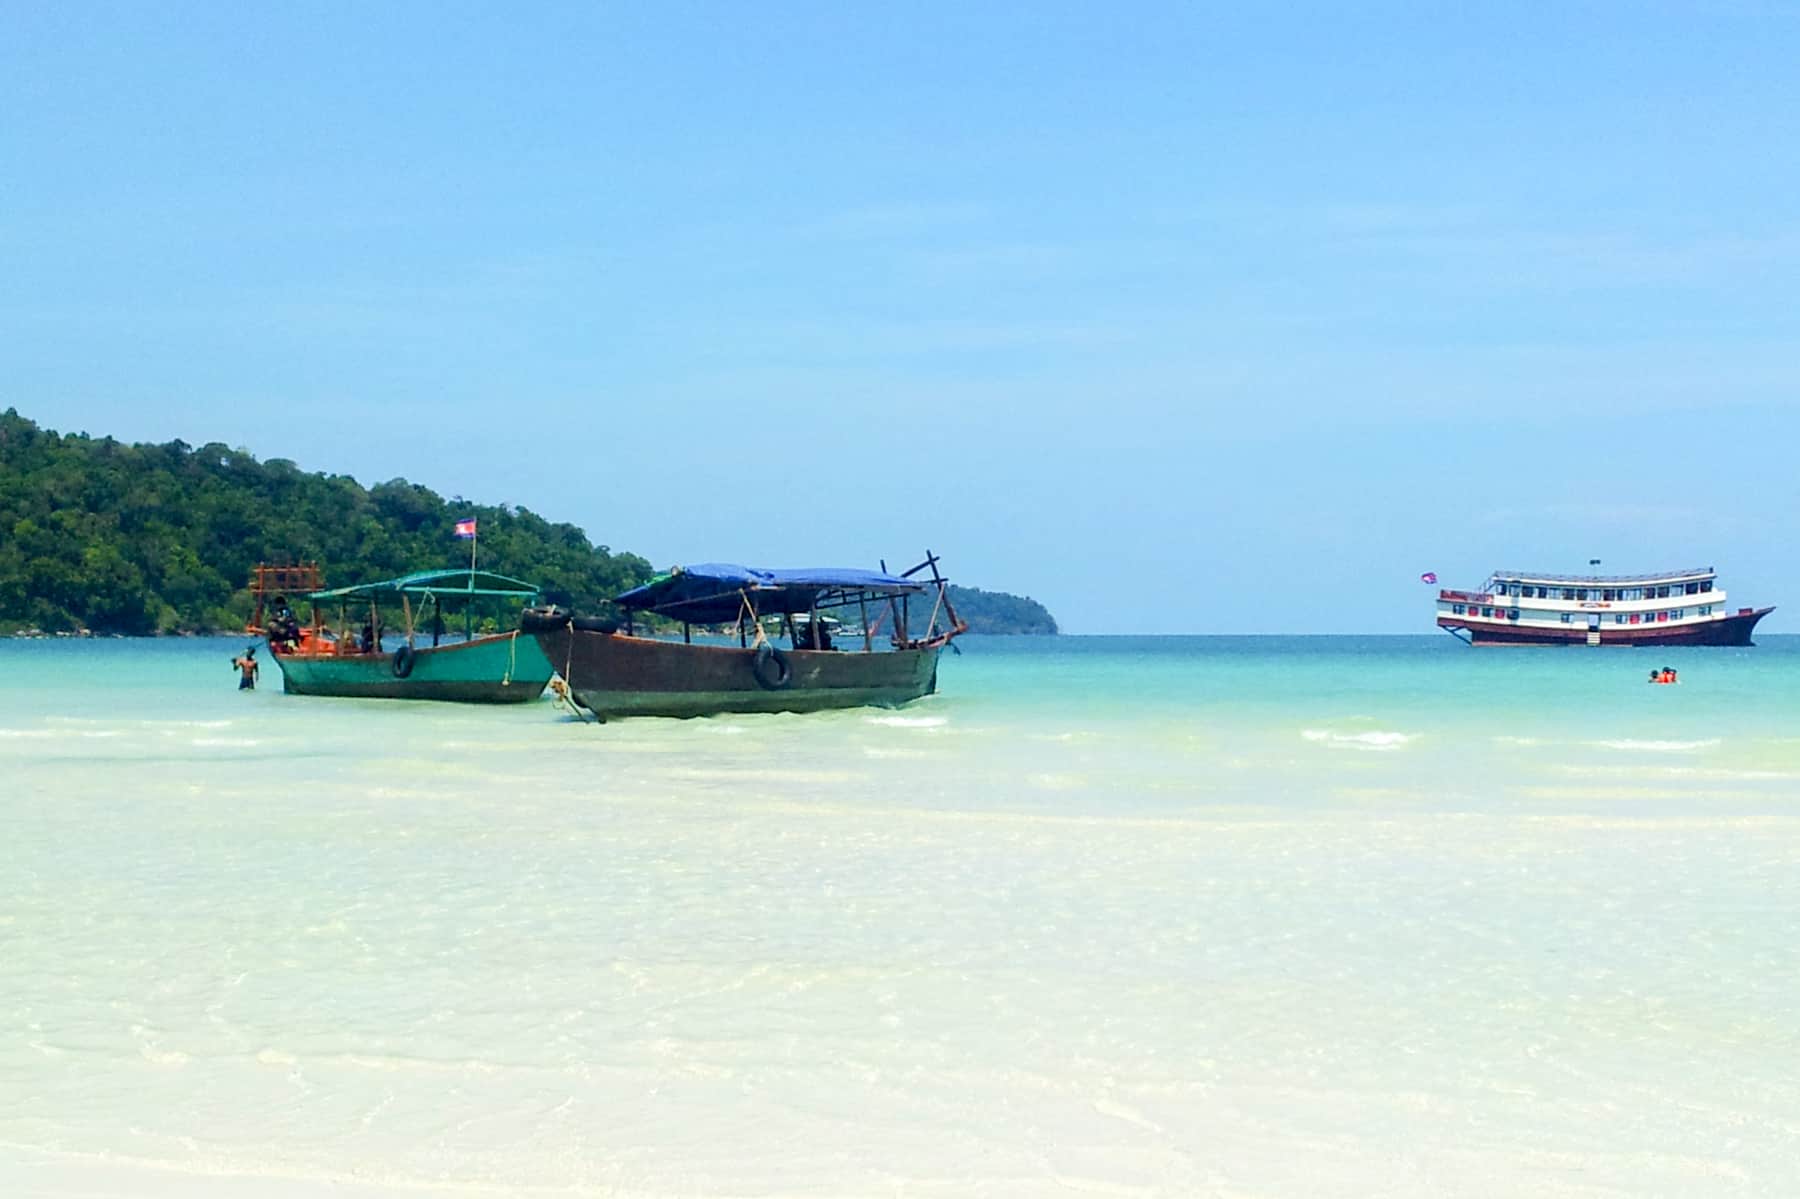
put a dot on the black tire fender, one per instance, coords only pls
(403, 661)
(547, 619)
(771, 668)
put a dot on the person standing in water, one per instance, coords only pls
(248, 669)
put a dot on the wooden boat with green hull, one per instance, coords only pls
(345, 660)
(505, 668)
(786, 658)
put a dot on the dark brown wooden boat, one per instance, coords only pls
(787, 658)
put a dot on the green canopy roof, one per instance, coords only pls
(441, 583)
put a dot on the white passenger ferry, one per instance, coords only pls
(1682, 607)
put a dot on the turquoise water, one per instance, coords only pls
(1161, 916)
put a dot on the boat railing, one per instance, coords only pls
(1538, 579)
(1466, 597)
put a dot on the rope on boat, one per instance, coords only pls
(566, 696)
(756, 622)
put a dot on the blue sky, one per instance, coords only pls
(1180, 318)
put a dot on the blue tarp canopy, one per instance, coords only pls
(710, 592)
(442, 583)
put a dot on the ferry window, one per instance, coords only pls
(1662, 593)
(1456, 609)
(1692, 589)
(1513, 591)
(1706, 585)
(1661, 616)
(1634, 618)
(1618, 618)
(1706, 609)
(1678, 613)
(1565, 617)
(1607, 595)
(1568, 593)
(1487, 611)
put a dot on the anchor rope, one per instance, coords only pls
(567, 698)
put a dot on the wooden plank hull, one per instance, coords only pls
(612, 675)
(1730, 630)
(508, 668)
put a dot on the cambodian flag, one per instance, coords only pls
(1429, 576)
(465, 529)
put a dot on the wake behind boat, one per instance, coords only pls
(786, 658)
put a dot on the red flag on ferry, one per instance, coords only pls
(465, 529)
(1429, 576)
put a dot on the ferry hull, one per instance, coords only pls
(1729, 630)
(614, 675)
(506, 669)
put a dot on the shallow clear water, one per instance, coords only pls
(1160, 916)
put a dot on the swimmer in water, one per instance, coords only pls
(248, 669)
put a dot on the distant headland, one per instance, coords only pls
(104, 537)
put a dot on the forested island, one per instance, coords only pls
(998, 612)
(97, 535)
